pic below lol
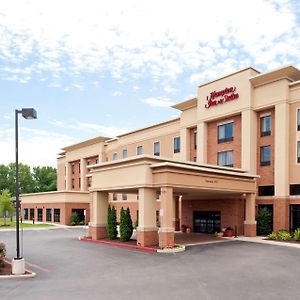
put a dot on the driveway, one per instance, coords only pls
(70, 269)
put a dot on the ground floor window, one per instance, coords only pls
(49, 215)
(294, 216)
(207, 221)
(225, 158)
(56, 215)
(25, 213)
(31, 214)
(40, 214)
(80, 214)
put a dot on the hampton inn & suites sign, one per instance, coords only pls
(222, 96)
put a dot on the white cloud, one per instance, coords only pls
(117, 94)
(158, 102)
(136, 88)
(36, 147)
(133, 39)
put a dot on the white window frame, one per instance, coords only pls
(154, 148)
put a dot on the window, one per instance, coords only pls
(298, 119)
(79, 182)
(124, 153)
(156, 150)
(79, 168)
(294, 189)
(225, 133)
(97, 160)
(115, 197)
(176, 144)
(40, 214)
(56, 215)
(137, 197)
(89, 181)
(73, 169)
(266, 190)
(88, 162)
(25, 213)
(157, 195)
(265, 125)
(225, 158)
(298, 152)
(49, 215)
(124, 196)
(139, 150)
(31, 214)
(115, 156)
(73, 183)
(265, 155)
(195, 139)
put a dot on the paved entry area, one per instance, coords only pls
(195, 238)
(70, 269)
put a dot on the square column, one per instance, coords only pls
(250, 222)
(166, 231)
(202, 143)
(147, 234)
(83, 186)
(98, 224)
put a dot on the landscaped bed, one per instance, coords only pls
(283, 235)
(12, 224)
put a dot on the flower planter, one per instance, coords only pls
(183, 228)
(228, 233)
(188, 230)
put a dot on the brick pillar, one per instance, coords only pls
(166, 231)
(83, 180)
(147, 234)
(176, 213)
(250, 222)
(98, 224)
(281, 214)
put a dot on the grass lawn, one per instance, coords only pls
(10, 224)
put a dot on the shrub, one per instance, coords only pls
(264, 222)
(126, 227)
(112, 223)
(272, 236)
(74, 218)
(2, 254)
(283, 235)
(297, 234)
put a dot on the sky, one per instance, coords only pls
(94, 67)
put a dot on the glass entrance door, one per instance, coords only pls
(294, 217)
(207, 221)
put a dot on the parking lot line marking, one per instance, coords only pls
(37, 267)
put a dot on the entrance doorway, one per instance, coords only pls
(207, 221)
(40, 214)
(294, 217)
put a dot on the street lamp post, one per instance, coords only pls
(18, 263)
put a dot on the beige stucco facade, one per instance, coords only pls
(233, 150)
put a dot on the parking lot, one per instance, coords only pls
(71, 269)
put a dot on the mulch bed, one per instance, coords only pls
(6, 270)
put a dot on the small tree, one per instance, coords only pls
(112, 223)
(74, 218)
(5, 204)
(264, 222)
(126, 227)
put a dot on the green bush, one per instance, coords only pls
(74, 218)
(296, 234)
(283, 235)
(112, 223)
(126, 227)
(2, 254)
(272, 236)
(264, 222)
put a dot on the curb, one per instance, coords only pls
(178, 249)
(22, 276)
(149, 249)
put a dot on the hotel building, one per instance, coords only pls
(234, 149)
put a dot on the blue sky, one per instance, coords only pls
(106, 67)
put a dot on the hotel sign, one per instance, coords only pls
(222, 96)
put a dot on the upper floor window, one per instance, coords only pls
(115, 156)
(225, 158)
(73, 183)
(156, 150)
(73, 169)
(124, 153)
(79, 182)
(176, 144)
(298, 152)
(79, 168)
(89, 181)
(225, 133)
(298, 119)
(195, 139)
(139, 150)
(294, 189)
(115, 197)
(266, 190)
(265, 125)
(97, 160)
(88, 162)
(124, 196)
(265, 155)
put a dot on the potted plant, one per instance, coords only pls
(228, 232)
(2, 254)
(183, 228)
(188, 229)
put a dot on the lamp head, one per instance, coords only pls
(29, 113)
